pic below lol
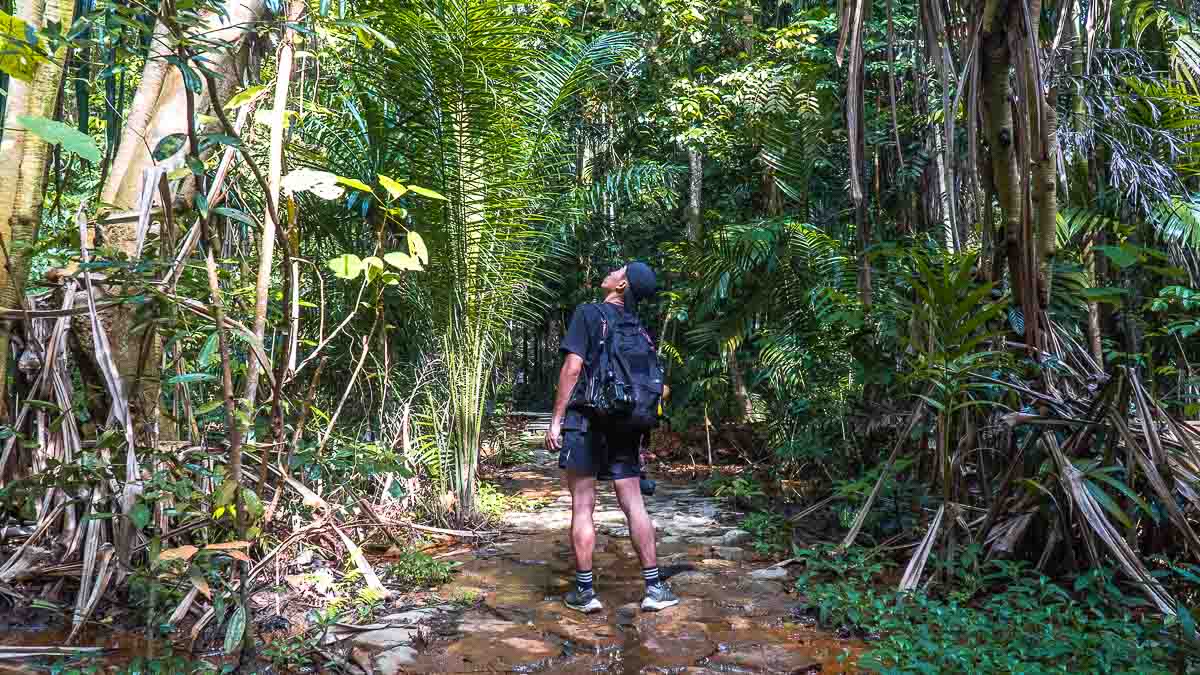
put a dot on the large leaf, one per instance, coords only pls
(347, 266)
(426, 192)
(404, 261)
(235, 631)
(17, 56)
(394, 188)
(244, 96)
(55, 133)
(168, 146)
(416, 248)
(1120, 256)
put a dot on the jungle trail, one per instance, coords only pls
(286, 288)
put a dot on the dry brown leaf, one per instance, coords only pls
(226, 546)
(180, 553)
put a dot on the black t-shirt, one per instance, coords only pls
(584, 332)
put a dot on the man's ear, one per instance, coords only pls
(623, 285)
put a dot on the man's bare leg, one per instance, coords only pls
(641, 531)
(641, 528)
(583, 542)
(583, 531)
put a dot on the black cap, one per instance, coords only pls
(642, 284)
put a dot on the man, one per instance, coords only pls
(589, 451)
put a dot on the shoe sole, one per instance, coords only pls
(589, 607)
(649, 605)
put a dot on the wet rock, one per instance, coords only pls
(730, 552)
(761, 586)
(737, 538)
(414, 616)
(771, 658)
(715, 565)
(394, 660)
(590, 635)
(385, 638)
(770, 574)
(707, 541)
(692, 577)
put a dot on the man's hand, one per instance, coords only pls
(554, 435)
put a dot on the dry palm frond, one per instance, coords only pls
(912, 574)
(1093, 517)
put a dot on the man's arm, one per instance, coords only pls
(567, 377)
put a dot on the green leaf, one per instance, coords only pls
(235, 630)
(191, 377)
(237, 215)
(168, 146)
(403, 261)
(208, 353)
(1121, 256)
(209, 407)
(209, 140)
(426, 192)
(1108, 295)
(195, 165)
(243, 97)
(55, 133)
(355, 183)
(17, 56)
(202, 204)
(347, 266)
(416, 248)
(1108, 503)
(190, 79)
(140, 515)
(395, 189)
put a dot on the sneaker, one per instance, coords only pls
(659, 596)
(585, 601)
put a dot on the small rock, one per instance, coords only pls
(729, 552)
(761, 586)
(691, 577)
(395, 660)
(737, 538)
(385, 638)
(770, 574)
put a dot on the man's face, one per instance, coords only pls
(615, 281)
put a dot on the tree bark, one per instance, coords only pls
(695, 188)
(996, 62)
(1045, 197)
(23, 172)
(740, 393)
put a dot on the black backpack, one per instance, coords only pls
(623, 388)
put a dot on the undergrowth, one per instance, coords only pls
(415, 569)
(994, 617)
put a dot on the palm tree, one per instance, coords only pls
(471, 87)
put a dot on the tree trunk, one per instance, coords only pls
(740, 393)
(266, 255)
(23, 173)
(160, 110)
(695, 187)
(1045, 197)
(997, 93)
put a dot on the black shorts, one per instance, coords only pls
(604, 453)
